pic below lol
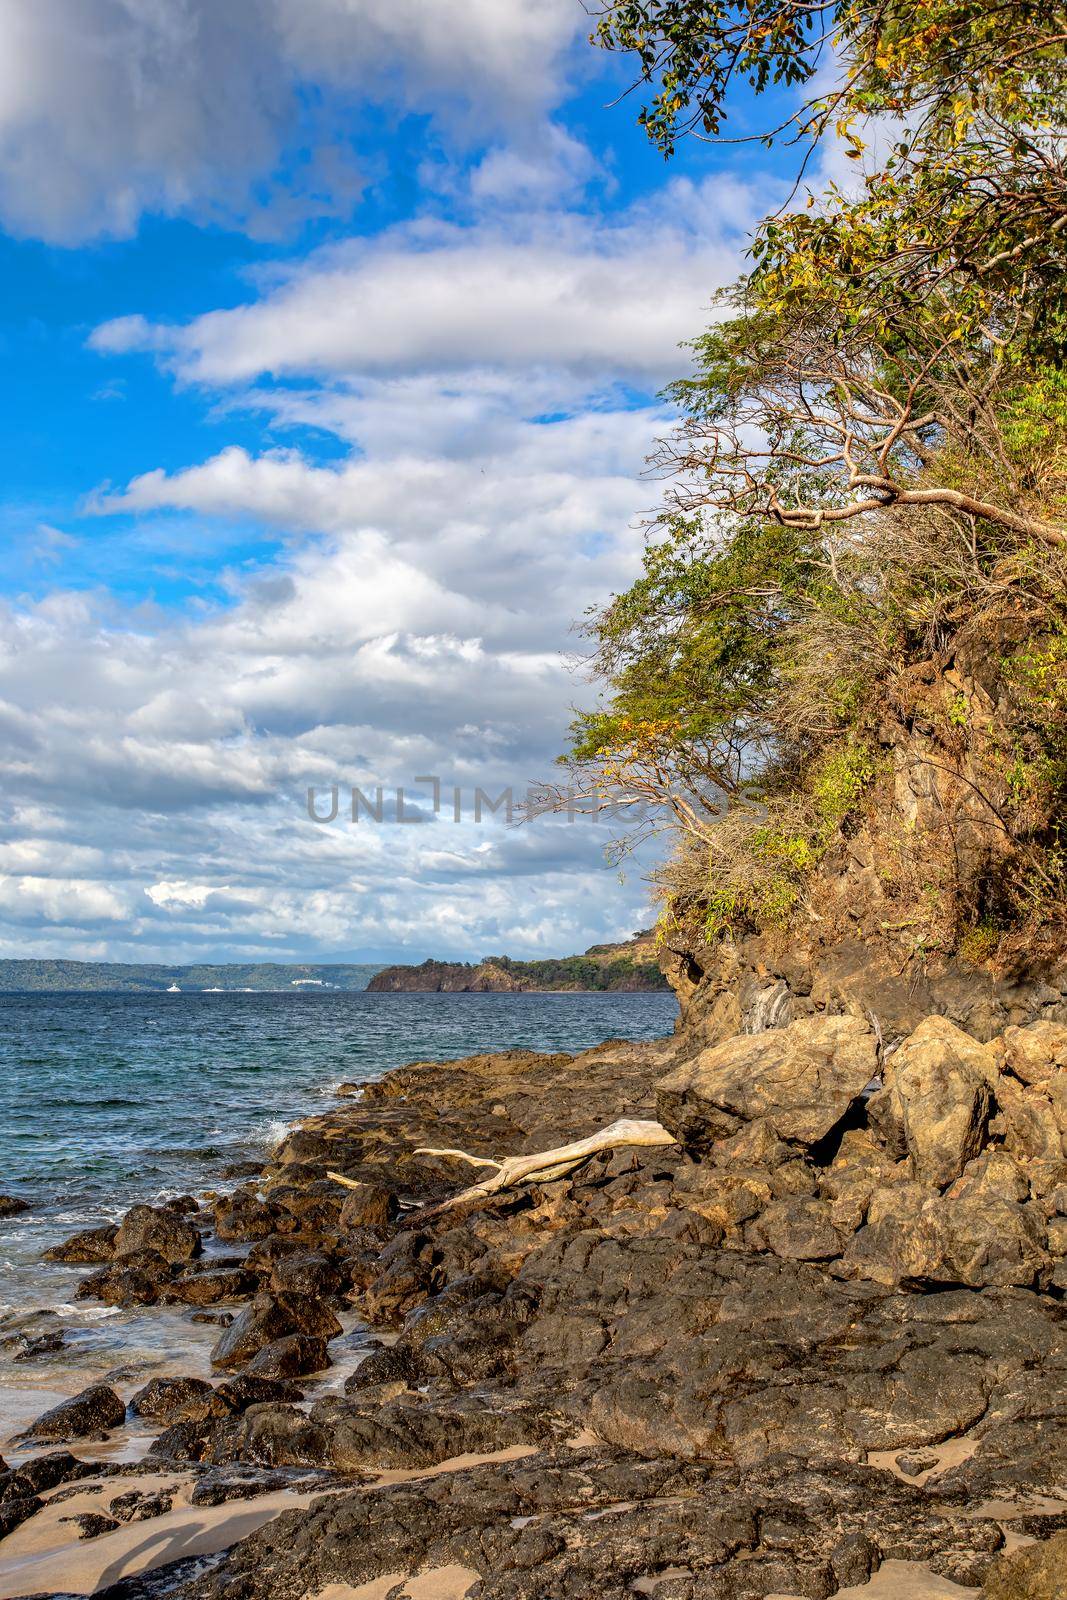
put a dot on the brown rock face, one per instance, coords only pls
(1037, 1572)
(802, 1080)
(941, 1099)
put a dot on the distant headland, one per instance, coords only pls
(629, 965)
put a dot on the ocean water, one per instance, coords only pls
(109, 1099)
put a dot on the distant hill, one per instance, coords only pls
(631, 965)
(34, 977)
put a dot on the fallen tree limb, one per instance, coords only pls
(549, 1164)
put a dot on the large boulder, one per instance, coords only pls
(916, 1237)
(167, 1400)
(88, 1415)
(160, 1229)
(291, 1357)
(803, 1080)
(91, 1246)
(938, 1085)
(269, 1318)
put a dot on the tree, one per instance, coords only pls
(869, 473)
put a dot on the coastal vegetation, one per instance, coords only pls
(608, 967)
(844, 660)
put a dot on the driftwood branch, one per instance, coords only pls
(549, 1164)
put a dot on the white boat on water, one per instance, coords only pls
(174, 989)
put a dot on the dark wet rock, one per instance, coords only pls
(15, 1511)
(12, 1206)
(315, 1206)
(801, 1080)
(305, 1273)
(45, 1344)
(169, 1400)
(90, 1246)
(249, 1389)
(1036, 1572)
(413, 1432)
(270, 1435)
(369, 1206)
(137, 1279)
(160, 1229)
(408, 1269)
(91, 1524)
(268, 1318)
(42, 1473)
(136, 1505)
(217, 1488)
(212, 1286)
(290, 1357)
(187, 1440)
(242, 1169)
(244, 1215)
(217, 1319)
(390, 1364)
(88, 1415)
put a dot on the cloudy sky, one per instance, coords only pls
(332, 335)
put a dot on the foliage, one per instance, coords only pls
(862, 552)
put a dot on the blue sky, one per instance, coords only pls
(332, 334)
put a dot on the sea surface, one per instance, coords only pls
(110, 1099)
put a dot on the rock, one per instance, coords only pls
(304, 1273)
(942, 1099)
(88, 1415)
(258, 1325)
(168, 1400)
(369, 1206)
(915, 1237)
(1036, 1572)
(42, 1473)
(270, 1317)
(797, 1230)
(138, 1279)
(91, 1524)
(1028, 1122)
(46, 1344)
(12, 1206)
(1036, 1053)
(157, 1228)
(136, 1505)
(188, 1440)
(90, 1246)
(291, 1357)
(16, 1511)
(271, 1435)
(408, 1270)
(246, 1390)
(802, 1080)
(211, 1287)
(243, 1215)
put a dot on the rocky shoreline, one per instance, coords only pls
(815, 1345)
